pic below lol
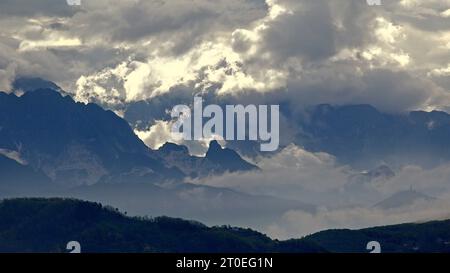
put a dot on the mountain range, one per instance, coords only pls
(364, 137)
(359, 135)
(51, 145)
(76, 144)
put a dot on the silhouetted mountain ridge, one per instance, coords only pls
(30, 84)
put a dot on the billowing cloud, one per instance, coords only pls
(321, 51)
(293, 173)
(296, 174)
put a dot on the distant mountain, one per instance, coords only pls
(77, 144)
(218, 160)
(358, 135)
(363, 136)
(53, 146)
(74, 143)
(211, 205)
(402, 199)
(227, 159)
(47, 225)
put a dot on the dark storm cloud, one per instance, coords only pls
(308, 33)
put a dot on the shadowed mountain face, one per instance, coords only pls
(73, 142)
(218, 160)
(21, 180)
(364, 137)
(227, 158)
(78, 144)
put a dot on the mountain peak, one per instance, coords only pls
(43, 92)
(27, 84)
(74, 143)
(169, 147)
(227, 158)
(214, 146)
(218, 160)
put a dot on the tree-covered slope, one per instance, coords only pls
(430, 237)
(47, 225)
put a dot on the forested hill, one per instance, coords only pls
(47, 225)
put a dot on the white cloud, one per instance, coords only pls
(161, 132)
(295, 224)
(157, 135)
(315, 178)
(293, 173)
(121, 51)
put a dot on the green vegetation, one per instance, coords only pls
(46, 225)
(430, 237)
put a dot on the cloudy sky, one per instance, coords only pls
(395, 56)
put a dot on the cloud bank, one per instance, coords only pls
(394, 57)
